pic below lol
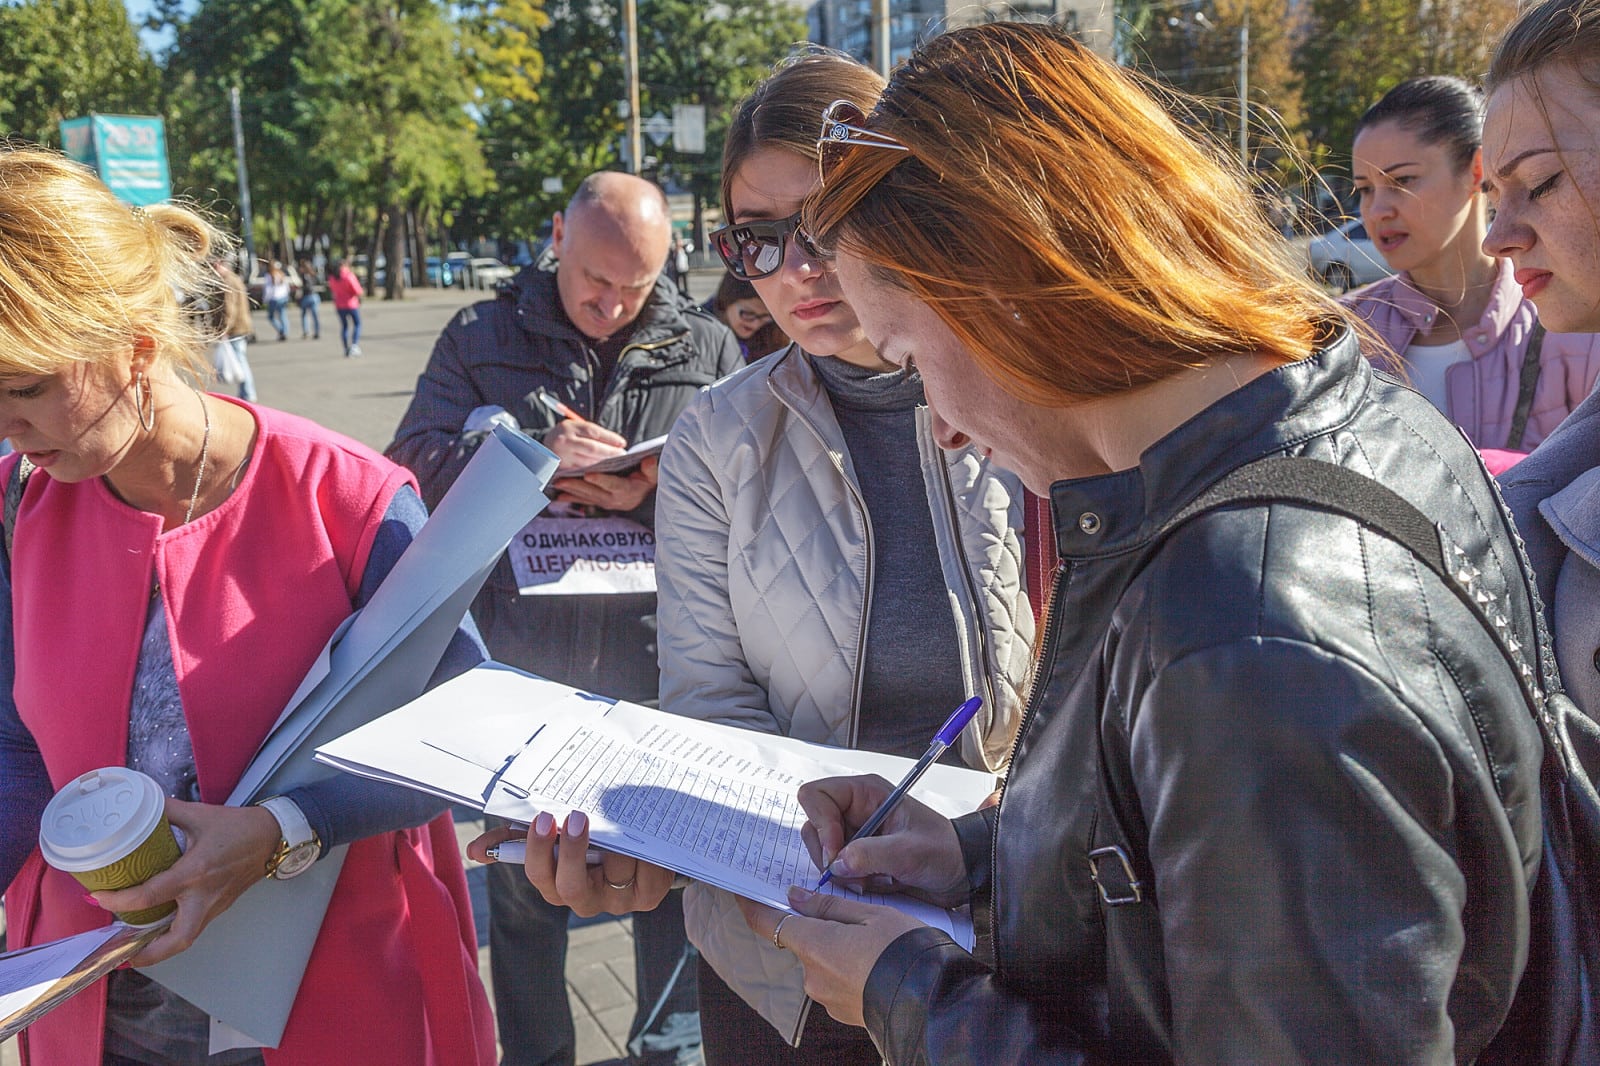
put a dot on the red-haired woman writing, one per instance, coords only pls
(1274, 796)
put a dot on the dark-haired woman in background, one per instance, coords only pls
(1274, 798)
(737, 303)
(1454, 319)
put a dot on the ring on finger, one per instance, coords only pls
(625, 885)
(777, 933)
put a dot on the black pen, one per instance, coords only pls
(941, 743)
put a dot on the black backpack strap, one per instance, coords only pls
(15, 484)
(1525, 385)
(1120, 870)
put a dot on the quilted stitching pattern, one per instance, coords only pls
(762, 570)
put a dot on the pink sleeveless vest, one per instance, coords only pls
(252, 591)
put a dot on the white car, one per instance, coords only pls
(1346, 257)
(486, 273)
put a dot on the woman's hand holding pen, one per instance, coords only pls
(618, 884)
(838, 940)
(915, 851)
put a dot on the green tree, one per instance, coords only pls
(65, 58)
(388, 117)
(1354, 51)
(712, 55)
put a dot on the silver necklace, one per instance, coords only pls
(205, 453)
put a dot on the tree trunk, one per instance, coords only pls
(395, 280)
(379, 234)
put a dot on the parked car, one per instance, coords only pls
(1346, 257)
(439, 273)
(486, 273)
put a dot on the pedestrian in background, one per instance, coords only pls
(680, 265)
(174, 563)
(346, 290)
(229, 305)
(310, 300)
(1453, 320)
(741, 308)
(589, 350)
(1275, 799)
(275, 291)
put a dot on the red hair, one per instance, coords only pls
(1059, 221)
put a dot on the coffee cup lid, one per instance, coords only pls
(98, 818)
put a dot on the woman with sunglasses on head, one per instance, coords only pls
(1274, 797)
(1452, 318)
(737, 304)
(1542, 155)
(825, 571)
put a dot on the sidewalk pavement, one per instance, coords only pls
(364, 397)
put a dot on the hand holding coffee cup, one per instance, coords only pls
(108, 828)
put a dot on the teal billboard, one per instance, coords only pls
(129, 152)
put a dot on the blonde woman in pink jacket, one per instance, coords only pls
(1452, 319)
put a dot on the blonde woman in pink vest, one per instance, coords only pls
(1452, 319)
(174, 561)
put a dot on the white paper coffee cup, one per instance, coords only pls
(108, 828)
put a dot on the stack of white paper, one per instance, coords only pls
(711, 801)
(381, 657)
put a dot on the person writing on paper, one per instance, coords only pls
(1454, 319)
(826, 572)
(588, 351)
(1275, 797)
(174, 563)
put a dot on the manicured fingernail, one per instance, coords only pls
(577, 824)
(841, 867)
(799, 895)
(544, 825)
(90, 900)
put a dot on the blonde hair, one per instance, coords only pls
(82, 274)
(1059, 221)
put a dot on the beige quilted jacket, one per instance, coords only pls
(764, 569)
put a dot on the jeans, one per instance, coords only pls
(247, 384)
(349, 327)
(528, 958)
(276, 315)
(308, 309)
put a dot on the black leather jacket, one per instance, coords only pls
(503, 352)
(1325, 770)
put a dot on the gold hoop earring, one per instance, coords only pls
(144, 392)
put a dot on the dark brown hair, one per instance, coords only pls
(785, 110)
(1060, 222)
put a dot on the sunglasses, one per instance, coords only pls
(753, 318)
(844, 128)
(755, 250)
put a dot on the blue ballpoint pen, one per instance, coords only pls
(946, 737)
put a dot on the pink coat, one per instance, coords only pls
(346, 289)
(1483, 393)
(252, 592)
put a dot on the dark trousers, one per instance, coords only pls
(733, 1034)
(528, 958)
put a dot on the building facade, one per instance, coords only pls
(848, 24)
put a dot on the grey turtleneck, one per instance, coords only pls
(911, 674)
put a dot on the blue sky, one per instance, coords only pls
(138, 10)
